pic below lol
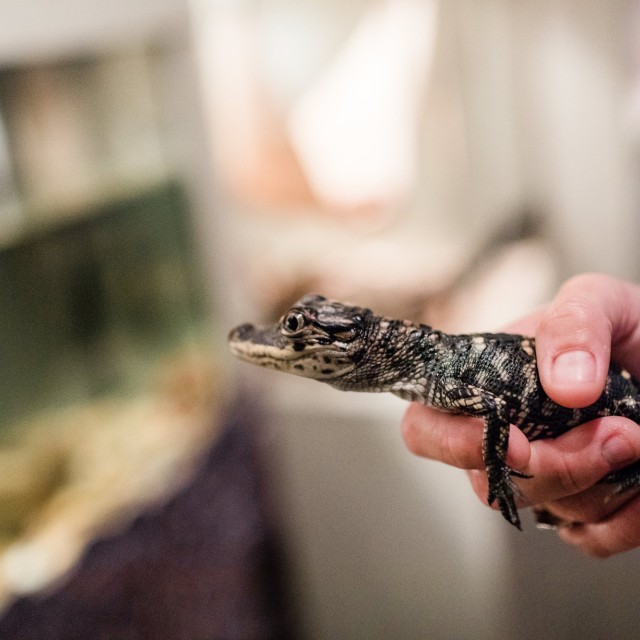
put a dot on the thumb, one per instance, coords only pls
(591, 317)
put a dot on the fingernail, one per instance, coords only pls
(573, 367)
(617, 451)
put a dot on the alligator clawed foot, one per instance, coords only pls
(503, 490)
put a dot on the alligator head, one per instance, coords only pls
(316, 338)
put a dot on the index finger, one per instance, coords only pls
(455, 439)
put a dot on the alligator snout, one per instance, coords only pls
(242, 332)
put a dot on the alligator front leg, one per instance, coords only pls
(495, 443)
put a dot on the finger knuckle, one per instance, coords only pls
(575, 310)
(463, 457)
(567, 477)
(575, 313)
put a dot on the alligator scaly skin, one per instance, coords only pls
(492, 376)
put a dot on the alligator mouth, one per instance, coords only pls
(258, 353)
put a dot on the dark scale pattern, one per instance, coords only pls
(492, 376)
(205, 566)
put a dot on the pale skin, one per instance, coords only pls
(592, 319)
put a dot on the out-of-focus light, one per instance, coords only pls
(355, 130)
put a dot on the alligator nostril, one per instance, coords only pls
(241, 332)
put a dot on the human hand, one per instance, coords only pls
(593, 318)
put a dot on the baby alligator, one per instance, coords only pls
(492, 376)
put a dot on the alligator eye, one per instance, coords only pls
(293, 322)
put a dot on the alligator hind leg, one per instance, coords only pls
(627, 477)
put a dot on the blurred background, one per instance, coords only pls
(170, 168)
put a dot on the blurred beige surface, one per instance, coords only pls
(73, 475)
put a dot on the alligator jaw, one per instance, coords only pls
(260, 345)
